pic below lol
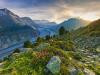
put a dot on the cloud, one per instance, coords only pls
(54, 10)
(30, 3)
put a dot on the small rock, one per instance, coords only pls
(88, 72)
(73, 71)
(98, 49)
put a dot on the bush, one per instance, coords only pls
(28, 44)
(16, 51)
(47, 37)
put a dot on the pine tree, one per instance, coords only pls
(47, 37)
(16, 51)
(61, 31)
(28, 44)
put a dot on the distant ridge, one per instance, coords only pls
(74, 23)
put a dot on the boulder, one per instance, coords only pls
(54, 65)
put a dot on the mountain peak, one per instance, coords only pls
(5, 10)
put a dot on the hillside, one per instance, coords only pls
(89, 36)
(57, 55)
(93, 29)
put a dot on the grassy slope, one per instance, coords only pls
(93, 29)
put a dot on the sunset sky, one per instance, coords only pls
(54, 10)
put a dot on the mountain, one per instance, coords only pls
(73, 24)
(13, 30)
(8, 19)
(93, 29)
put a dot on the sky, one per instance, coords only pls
(54, 10)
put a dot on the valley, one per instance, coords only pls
(40, 47)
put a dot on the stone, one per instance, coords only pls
(73, 71)
(54, 65)
(42, 46)
(88, 72)
(1, 65)
(98, 49)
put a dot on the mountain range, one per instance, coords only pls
(15, 29)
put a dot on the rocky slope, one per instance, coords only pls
(89, 36)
